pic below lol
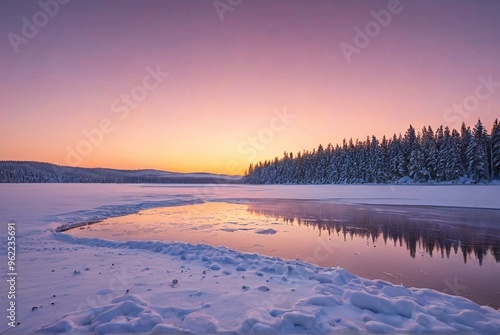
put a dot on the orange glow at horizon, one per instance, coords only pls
(169, 86)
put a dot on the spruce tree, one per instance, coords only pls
(416, 169)
(408, 145)
(495, 150)
(476, 153)
(453, 167)
(429, 151)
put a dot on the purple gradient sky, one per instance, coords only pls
(228, 78)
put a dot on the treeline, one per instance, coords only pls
(442, 155)
(39, 172)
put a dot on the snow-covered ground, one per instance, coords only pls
(64, 284)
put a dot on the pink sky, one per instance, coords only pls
(227, 81)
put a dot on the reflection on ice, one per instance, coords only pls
(420, 229)
(442, 248)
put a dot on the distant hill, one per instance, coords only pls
(37, 172)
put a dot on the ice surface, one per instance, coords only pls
(127, 287)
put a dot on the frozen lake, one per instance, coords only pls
(453, 250)
(441, 237)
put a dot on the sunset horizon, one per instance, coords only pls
(250, 166)
(228, 169)
(207, 87)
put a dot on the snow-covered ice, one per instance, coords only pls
(81, 285)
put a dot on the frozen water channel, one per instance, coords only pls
(453, 250)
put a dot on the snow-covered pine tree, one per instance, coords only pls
(310, 166)
(465, 138)
(396, 158)
(442, 155)
(495, 150)
(477, 165)
(291, 167)
(453, 166)
(250, 169)
(368, 162)
(408, 145)
(329, 164)
(429, 151)
(345, 164)
(334, 166)
(416, 165)
(321, 165)
(384, 176)
(300, 169)
(359, 163)
(378, 161)
(352, 167)
(458, 143)
(439, 137)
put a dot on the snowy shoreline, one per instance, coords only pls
(319, 300)
(100, 286)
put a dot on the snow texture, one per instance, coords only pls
(80, 286)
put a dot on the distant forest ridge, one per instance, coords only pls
(443, 155)
(38, 172)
